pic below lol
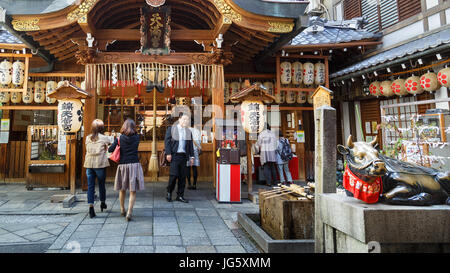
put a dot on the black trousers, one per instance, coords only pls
(195, 173)
(178, 171)
(270, 173)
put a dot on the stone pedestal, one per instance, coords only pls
(351, 225)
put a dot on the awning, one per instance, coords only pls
(411, 49)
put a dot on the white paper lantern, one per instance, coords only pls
(301, 97)
(308, 73)
(5, 73)
(282, 96)
(5, 97)
(309, 98)
(291, 97)
(297, 73)
(18, 73)
(412, 85)
(49, 88)
(39, 92)
(385, 88)
(60, 83)
(429, 82)
(319, 73)
(28, 95)
(375, 88)
(252, 116)
(70, 115)
(444, 76)
(286, 73)
(16, 97)
(83, 85)
(398, 87)
(226, 92)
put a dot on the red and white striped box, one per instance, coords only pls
(228, 183)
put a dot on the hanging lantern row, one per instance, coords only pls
(290, 97)
(12, 73)
(413, 85)
(36, 91)
(307, 73)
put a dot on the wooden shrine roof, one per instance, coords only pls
(195, 25)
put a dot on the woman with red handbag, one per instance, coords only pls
(129, 175)
(96, 162)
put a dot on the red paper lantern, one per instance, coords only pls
(375, 88)
(398, 87)
(412, 85)
(444, 77)
(429, 82)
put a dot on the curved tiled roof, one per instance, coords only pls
(8, 38)
(333, 35)
(421, 44)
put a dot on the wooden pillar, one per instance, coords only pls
(72, 143)
(4, 150)
(300, 147)
(218, 111)
(90, 113)
(249, 164)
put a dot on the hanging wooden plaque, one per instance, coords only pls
(155, 30)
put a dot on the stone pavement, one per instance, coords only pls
(30, 223)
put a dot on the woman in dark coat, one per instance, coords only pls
(129, 175)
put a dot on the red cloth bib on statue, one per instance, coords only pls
(367, 192)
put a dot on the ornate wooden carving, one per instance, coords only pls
(174, 58)
(26, 24)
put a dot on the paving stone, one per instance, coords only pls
(163, 213)
(38, 236)
(105, 249)
(206, 212)
(49, 227)
(194, 240)
(230, 249)
(138, 249)
(83, 243)
(108, 241)
(200, 249)
(138, 241)
(85, 234)
(11, 238)
(81, 250)
(26, 232)
(224, 240)
(167, 240)
(169, 249)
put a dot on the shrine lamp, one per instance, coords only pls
(70, 107)
(252, 107)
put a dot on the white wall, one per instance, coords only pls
(442, 94)
(402, 34)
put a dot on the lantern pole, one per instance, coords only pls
(153, 163)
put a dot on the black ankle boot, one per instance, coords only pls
(103, 206)
(91, 212)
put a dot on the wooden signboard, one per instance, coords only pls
(321, 97)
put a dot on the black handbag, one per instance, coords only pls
(163, 160)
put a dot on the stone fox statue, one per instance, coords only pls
(402, 183)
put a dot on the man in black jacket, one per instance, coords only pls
(178, 149)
